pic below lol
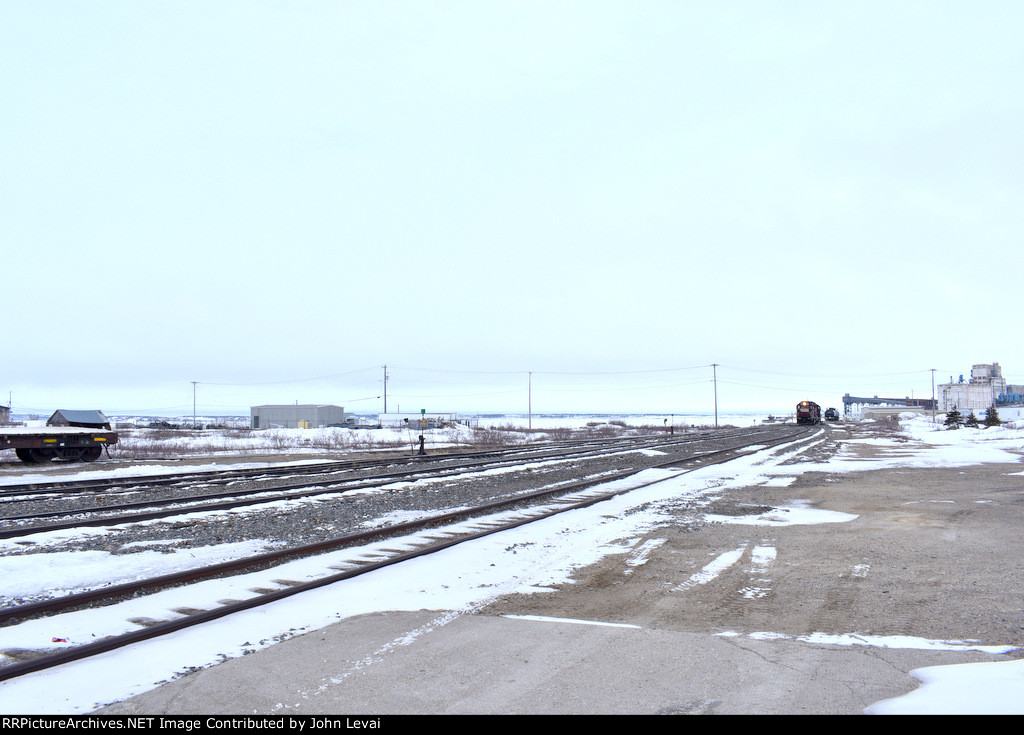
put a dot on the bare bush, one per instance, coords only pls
(173, 443)
(178, 443)
(494, 436)
(560, 433)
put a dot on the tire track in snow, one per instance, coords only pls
(713, 569)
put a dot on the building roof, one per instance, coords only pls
(79, 418)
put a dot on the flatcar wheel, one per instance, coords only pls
(41, 456)
(91, 454)
(25, 455)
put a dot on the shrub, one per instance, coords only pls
(992, 417)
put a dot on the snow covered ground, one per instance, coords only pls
(531, 558)
(146, 447)
(141, 444)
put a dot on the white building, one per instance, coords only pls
(982, 391)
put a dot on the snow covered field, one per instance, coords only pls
(545, 553)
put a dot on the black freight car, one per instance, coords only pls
(808, 412)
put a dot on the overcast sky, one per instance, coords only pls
(277, 199)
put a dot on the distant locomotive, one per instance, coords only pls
(808, 412)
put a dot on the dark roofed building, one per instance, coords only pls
(83, 419)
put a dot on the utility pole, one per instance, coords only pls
(194, 403)
(933, 395)
(529, 401)
(385, 389)
(714, 380)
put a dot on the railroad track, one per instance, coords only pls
(431, 534)
(320, 479)
(227, 475)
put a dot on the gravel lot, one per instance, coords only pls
(933, 553)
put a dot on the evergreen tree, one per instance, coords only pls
(954, 419)
(972, 420)
(992, 417)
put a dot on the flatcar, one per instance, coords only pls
(42, 444)
(808, 412)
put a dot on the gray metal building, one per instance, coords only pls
(296, 416)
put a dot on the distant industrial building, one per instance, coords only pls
(420, 419)
(296, 416)
(5, 414)
(425, 419)
(987, 387)
(875, 406)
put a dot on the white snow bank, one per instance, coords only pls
(995, 688)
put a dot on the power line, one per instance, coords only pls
(293, 380)
(826, 375)
(547, 372)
